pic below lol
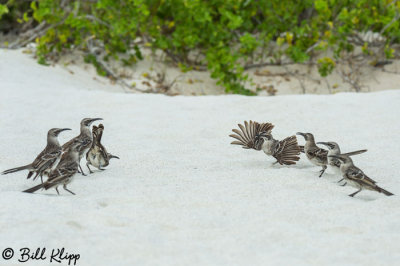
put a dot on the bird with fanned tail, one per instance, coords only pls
(257, 136)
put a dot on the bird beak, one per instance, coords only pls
(95, 119)
(63, 129)
(113, 156)
(301, 134)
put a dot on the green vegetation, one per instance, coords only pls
(223, 36)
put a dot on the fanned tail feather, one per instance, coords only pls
(288, 151)
(247, 133)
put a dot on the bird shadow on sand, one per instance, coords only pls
(268, 164)
(48, 194)
(302, 166)
(365, 198)
(94, 171)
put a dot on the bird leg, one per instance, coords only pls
(80, 167)
(340, 180)
(323, 170)
(345, 183)
(355, 193)
(65, 188)
(41, 177)
(57, 191)
(34, 178)
(90, 170)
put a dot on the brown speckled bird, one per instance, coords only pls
(85, 138)
(64, 172)
(98, 156)
(47, 160)
(354, 176)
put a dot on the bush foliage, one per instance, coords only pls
(224, 36)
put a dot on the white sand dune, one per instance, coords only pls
(181, 194)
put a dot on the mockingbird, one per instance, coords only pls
(98, 155)
(64, 172)
(258, 136)
(315, 154)
(334, 149)
(47, 160)
(85, 139)
(356, 177)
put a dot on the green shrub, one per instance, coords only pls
(227, 33)
(3, 10)
(12, 15)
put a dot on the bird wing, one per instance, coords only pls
(319, 154)
(38, 160)
(100, 135)
(247, 133)
(61, 173)
(85, 143)
(287, 151)
(51, 155)
(335, 162)
(56, 181)
(103, 152)
(46, 158)
(68, 144)
(95, 135)
(357, 175)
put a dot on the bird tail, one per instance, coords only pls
(113, 156)
(16, 169)
(354, 152)
(34, 189)
(381, 190)
(29, 175)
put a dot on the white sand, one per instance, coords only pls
(181, 195)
